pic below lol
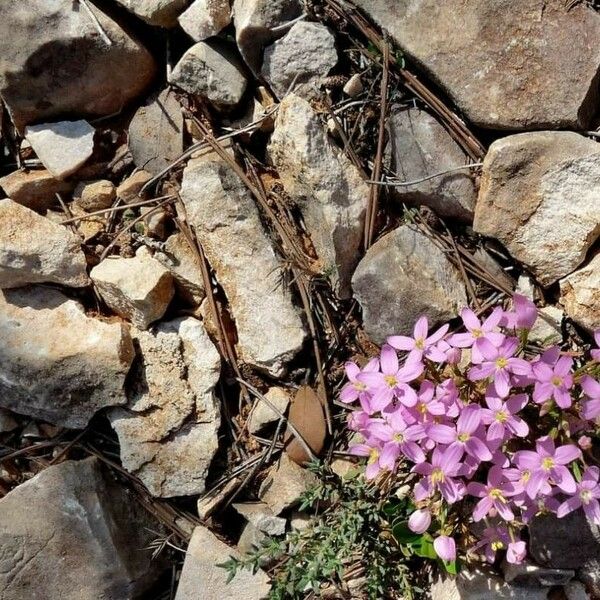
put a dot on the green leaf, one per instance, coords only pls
(451, 567)
(576, 471)
(403, 534)
(425, 548)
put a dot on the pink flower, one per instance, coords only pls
(426, 403)
(420, 345)
(445, 548)
(355, 389)
(524, 315)
(494, 495)
(591, 407)
(586, 495)
(398, 438)
(419, 521)
(584, 442)
(440, 475)
(516, 553)
(372, 450)
(477, 331)
(596, 353)
(553, 378)
(495, 539)
(500, 416)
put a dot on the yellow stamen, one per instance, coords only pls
(391, 380)
(501, 362)
(476, 333)
(437, 476)
(464, 437)
(373, 456)
(548, 463)
(420, 343)
(586, 496)
(497, 494)
(556, 381)
(501, 416)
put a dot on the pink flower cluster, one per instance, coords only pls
(456, 407)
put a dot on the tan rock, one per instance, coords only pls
(261, 516)
(211, 502)
(130, 188)
(262, 414)
(162, 13)
(88, 226)
(354, 86)
(205, 18)
(580, 294)
(96, 195)
(34, 189)
(546, 331)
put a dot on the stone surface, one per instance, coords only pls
(250, 539)
(422, 147)
(55, 62)
(227, 223)
(305, 54)
(212, 501)
(7, 421)
(96, 195)
(546, 331)
(580, 294)
(354, 86)
(156, 133)
(89, 227)
(521, 66)
(205, 18)
(539, 197)
(260, 22)
(168, 432)
(154, 222)
(33, 249)
(202, 579)
(284, 484)
(532, 575)
(34, 189)
(138, 289)
(57, 364)
(261, 516)
(326, 186)
(71, 532)
(211, 70)
(63, 146)
(405, 275)
(262, 414)
(163, 13)
(575, 590)
(131, 186)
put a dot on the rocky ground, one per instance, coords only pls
(208, 207)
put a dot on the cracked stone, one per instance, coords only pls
(579, 294)
(35, 189)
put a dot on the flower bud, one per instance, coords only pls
(585, 442)
(516, 552)
(445, 548)
(419, 521)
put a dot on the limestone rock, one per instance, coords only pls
(33, 249)
(55, 62)
(580, 294)
(71, 532)
(156, 133)
(209, 503)
(546, 331)
(326, 186)
(422, 147)
(168, 434)
(162, 13)
(63, 146)
(131, 186)
(530, 574)
(539, 197)
(262, 414)
(227, 222)
(262, 517)
(520, 66)
(34, 189)
(138, 289)
(405, 275)
(89, 227)
(305, 54)
(250, 539)
(154, 221)
(211, 71)
(57, 364)
(354, 86)
(203, 579)
(205, 18)
(95, 195)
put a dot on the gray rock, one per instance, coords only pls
(156, 133)
(521, 66)
(96, 195)
(227, 222)
(34, 189)
(303, 55)
(57, 364)
(71, 532)
(168, 433)
(250, 539)
(262, 414)
(405, 275)
(531, 575)
(327, 187)
(211, 71)
(422, 147)
(205, 18)
(546, 331)
(162, 13)
(555, 176)
(7, 421)
(63, 146)
(575, 590)
(203, 579)
(261, 516)
(580, 297)
(209, 503)
(55, 62)
(33, 249)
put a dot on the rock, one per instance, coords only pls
(203, 579)
(154, 221)
(284, 484)
(89, 227)
(179, 258)
(342, 467)
(209, 503)
(168, 433)
(34, 189)
(7, 421)
(575, 590)
(547, 331)
(205, 18)
(156, 133)
(544, 70)
(422, 147)
(138, 289)
(262, 517)
(262, 414)
(580, 297)
(555, 175)
(493, 267)
(56, 62)
(227, 223)
(211, 71)
(63, 146)
(96, 195)
(131, 186)
(33, 249)
(300, 521)
(250, 539)
(71, 532)
(259, 22)
(162, 13)
(57, 364)
(305, 54)
(327, 187)
(354, 86)
(405, 275)
(531, 575)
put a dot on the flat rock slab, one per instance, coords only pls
(57, 364)
(205, 18)
(168, 433)
(35, 189)
(515, 65)
(34, 249)
(580, 295)
(227, 223)
(63, 146)
(539, 197)
(55, 61)
(402, 276)
(162, 13)
(72, 533)
(326, 186)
